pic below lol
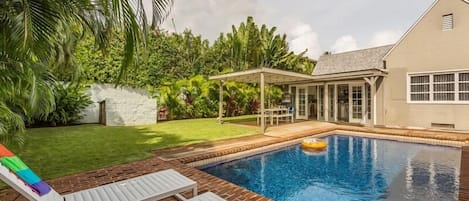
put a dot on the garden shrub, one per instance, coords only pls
(70, 101)
(198, 97)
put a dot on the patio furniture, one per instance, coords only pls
(277, 114)
(287, 116)
(266, 116)
(152, 186)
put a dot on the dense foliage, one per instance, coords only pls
(198, 97)
(70, 101)
(177, 65)
(39, 35)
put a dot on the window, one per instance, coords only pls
(464, 86)
(443, 87)
(331, 101)
(357, 98)
(447, 22)
(420, 88)
(439, 87)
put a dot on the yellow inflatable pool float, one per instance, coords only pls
(314, 143)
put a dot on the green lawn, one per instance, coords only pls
(55, 152)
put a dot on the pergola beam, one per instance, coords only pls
(271, 76)
(220, 103)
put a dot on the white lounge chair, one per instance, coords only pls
(154, 186)
(208, 196)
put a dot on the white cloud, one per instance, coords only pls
(209, 17)
(328, 18)
(344, 44)
(384, 38)
(302, 37)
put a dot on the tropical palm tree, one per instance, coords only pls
(251, 47)
(33, 34)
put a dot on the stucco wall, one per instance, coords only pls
(428, 48)
(380, 85)
(124, 106)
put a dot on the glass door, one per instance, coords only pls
(301, 103)
(331, 103)
(343, 103)
(356, 103)
(320, 103)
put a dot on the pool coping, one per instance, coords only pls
(212, 151)
(219, 159)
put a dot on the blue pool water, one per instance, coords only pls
(352, 168)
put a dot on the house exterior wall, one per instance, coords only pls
(380, 85)
(427, 48)
(124, 106)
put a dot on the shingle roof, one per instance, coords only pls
(365, 59)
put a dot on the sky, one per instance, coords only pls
(316, 25)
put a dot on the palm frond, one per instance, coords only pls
(37, 36)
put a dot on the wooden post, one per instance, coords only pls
(326, 102)
(336, 103)
(262, 104)
(318, 108)
(269, 103)
(372, 82)
(220, 103)
(373, 107)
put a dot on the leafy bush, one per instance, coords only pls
(70, 101)
(198, 97)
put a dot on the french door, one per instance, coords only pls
(357, 102)
(302, 103)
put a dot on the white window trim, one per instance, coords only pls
(431, 73)
(457, 86)
(454, 82)
(409, 87)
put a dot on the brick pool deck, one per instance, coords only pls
(464, 175)
(178, 158)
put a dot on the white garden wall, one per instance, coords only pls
(124, 106)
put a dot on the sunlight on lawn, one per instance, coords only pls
(58, 151)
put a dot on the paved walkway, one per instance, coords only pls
(177, 158)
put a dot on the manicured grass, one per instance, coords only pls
(55, 152)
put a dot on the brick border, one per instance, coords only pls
(464, 174)
(91, 179)
(438, 137)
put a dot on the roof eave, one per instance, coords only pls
(350, 75)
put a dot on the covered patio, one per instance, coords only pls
(354, 92)
(261, 76)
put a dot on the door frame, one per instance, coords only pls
(363, 99)
(102, 112)
(320, 102)
(298, 116)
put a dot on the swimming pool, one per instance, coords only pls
(352, 168)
